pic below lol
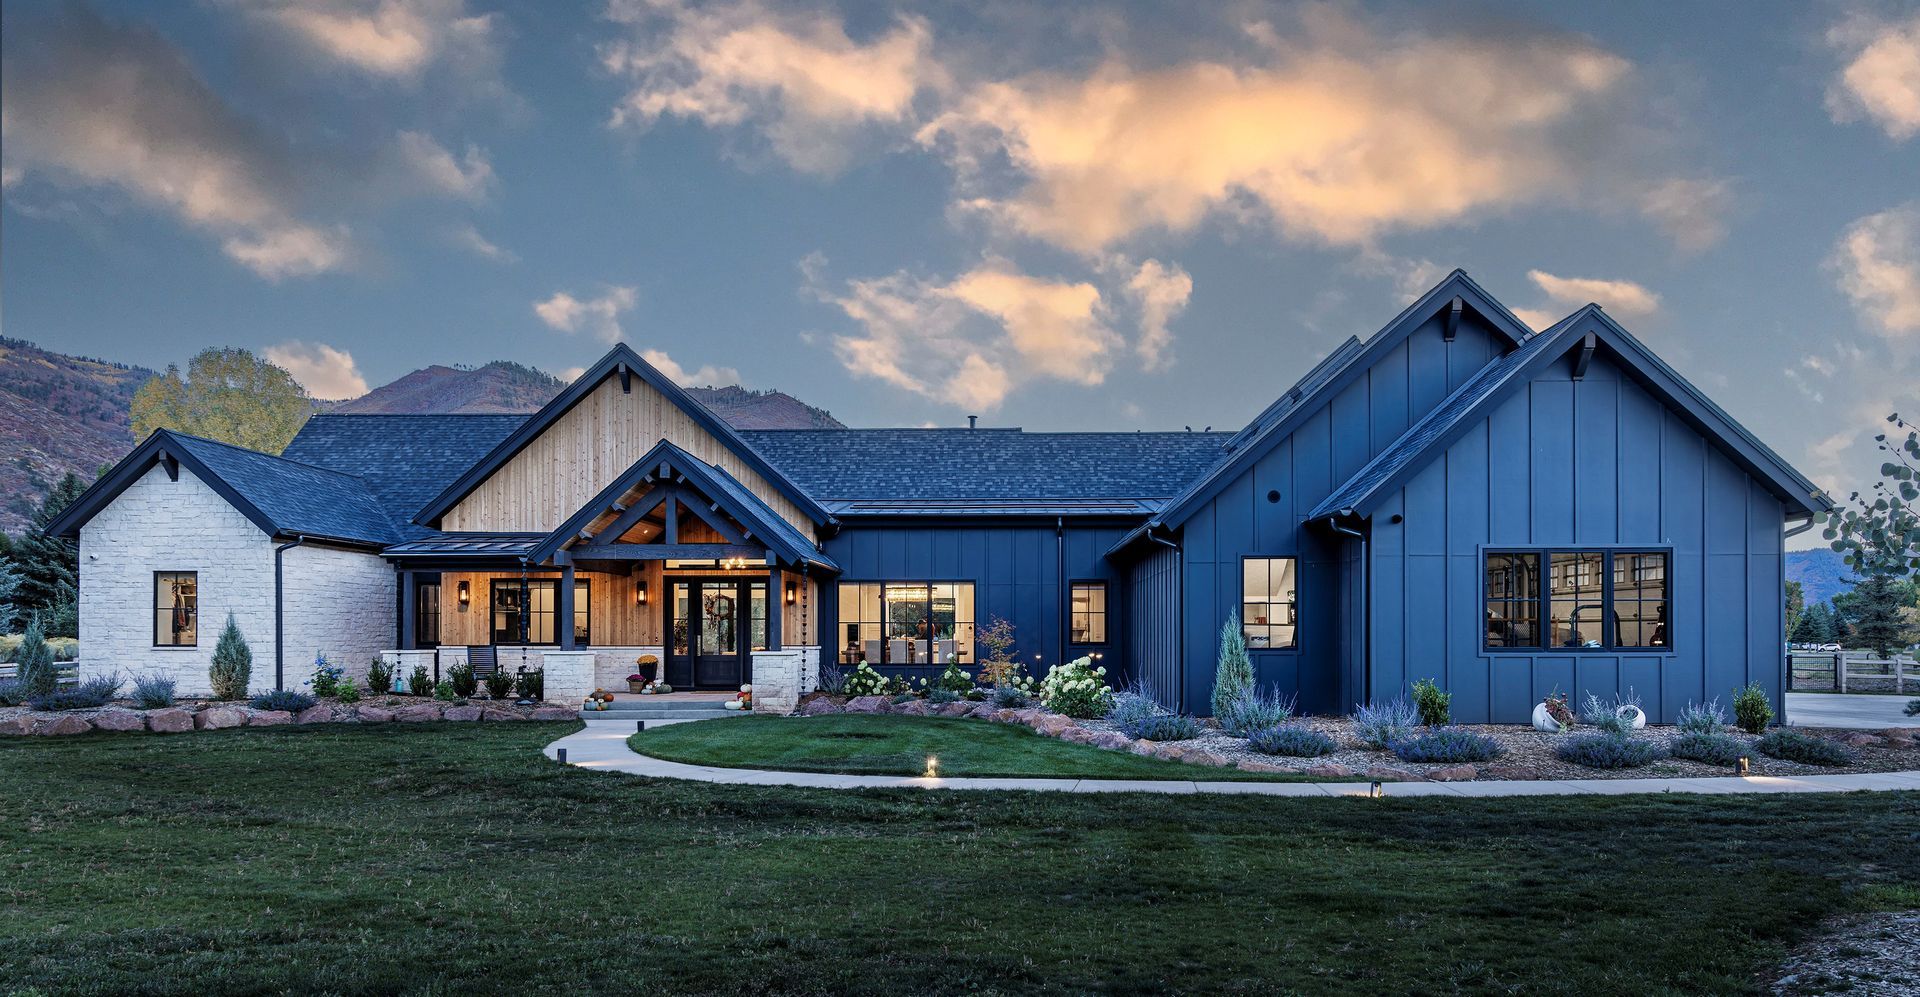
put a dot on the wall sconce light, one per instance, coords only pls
(640, 592)
(466, 594)
(793, 593)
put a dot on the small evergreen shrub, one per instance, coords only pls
(1011, 697)
(1751, 711)
(1710, 748)
(93, 693)
(444, 691)
(1233, 676)
(1168, 727)
(1702, 718)
(1292, 740)
(419, 683)
(1447, 744)
(379, 677)
(865, 681)
(13, 692)
(1137, 713)
(461, 676)
(1077, 689)
(1436, 707)
(282, 699)
(1913, 708)
(1793, 746)
(1259, 710)
(1607, 751)
(1610, 718)
(232, 669)
(346, 691)
(499, 684)
(1379, 725)
(941, 697)
(531, 684)
(34, 661)
(326, 677)
(153, 692)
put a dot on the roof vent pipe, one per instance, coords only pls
(973, 422)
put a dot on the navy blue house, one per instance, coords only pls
(1460, 498)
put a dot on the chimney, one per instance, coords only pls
(973, 422)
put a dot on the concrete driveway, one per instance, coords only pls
(1823, 709)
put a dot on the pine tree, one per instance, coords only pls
(49, 567)
(1233, 679)
(1826, 629)
(1878, 622)
(34, 662)
(1806, 626)
(232, 671)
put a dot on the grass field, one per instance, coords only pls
(865, 744)
(453, 858)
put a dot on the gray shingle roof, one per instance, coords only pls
(405, 459)
(936, 465)
(297, 497)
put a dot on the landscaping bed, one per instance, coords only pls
(1527, 754)
(186, 715)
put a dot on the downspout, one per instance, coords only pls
(1366, 610)
(1797, 530)
(279, 614)
(1179, 617)
(1060, 622)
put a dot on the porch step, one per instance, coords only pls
(631, 710)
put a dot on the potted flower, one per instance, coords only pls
(1554, 714)
(648, 666)
(638, 683)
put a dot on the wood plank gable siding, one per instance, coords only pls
(1592, 463)
(584, 450)
(1332, 443)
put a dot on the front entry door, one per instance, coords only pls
(714, 623)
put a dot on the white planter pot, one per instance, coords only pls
(1542, 720)
(1636, 717)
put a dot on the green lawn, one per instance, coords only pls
(865, 744)
(454, 858)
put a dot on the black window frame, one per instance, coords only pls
(153, 610)
(1542, 598)
(848, 659)
(1105, 612)
(526, 614)
(1293, 605)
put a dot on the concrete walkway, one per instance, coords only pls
(1852, 711)
(602, 746)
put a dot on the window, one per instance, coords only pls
(426, 618)
(1267, 603)
(176, 608)
(906, 623)
(532, 623)
(1594, 599)
(1089, 613)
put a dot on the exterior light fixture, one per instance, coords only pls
(1376, 792)
(933, 767)
(466, 593)
(793, 593)
(640, 592)
(1744, 765)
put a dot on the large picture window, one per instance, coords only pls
(541, 605)
(1089, 613)
(176, 608)
(1593, 599)
(906, 623)
(1268, 605)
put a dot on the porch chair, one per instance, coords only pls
(481, 659)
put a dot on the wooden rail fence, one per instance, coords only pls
(1833, 670)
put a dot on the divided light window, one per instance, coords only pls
(1268, 607)
(176, 608)
(1594, 599)
(1089, 612)
(906, 623)
(542, 604)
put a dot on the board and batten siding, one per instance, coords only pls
(585, 450)
(1153, 627)
(1597, 463)
(1326, 449)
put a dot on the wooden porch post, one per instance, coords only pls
(776, 605)
(564, 608)
(409, 610)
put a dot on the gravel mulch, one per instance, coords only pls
(1872, 955)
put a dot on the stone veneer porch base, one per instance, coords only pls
(602, 747)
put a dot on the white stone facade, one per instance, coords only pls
(569, 676)
(337, 602)
(781, 677)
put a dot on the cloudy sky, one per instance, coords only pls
(1124, 216)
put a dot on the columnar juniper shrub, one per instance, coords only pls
(1751, 711)
(379, 677)
(461, 677)
(1607, 751)
(1702, 718)
(1436, 707)
(282, 699)
(94, 692)
(1447, 744)
(1292, 740)
(232, 669)
(1233, 676)
(34, 662)
(1712, 749)
(1378, 725)
(153, 692)
(1793, 746)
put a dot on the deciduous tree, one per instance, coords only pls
(228, 394)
